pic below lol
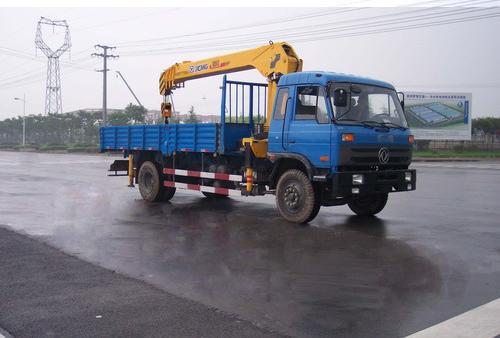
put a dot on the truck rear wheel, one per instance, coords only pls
(217, 184)
(368, 205)
(168, 193)
(296, 199)
(151, 184)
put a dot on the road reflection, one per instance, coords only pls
(344, 278)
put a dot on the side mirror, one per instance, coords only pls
(340, 97)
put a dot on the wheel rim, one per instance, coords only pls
(147, 179)
(293, 197)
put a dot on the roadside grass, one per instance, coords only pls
(457, 153)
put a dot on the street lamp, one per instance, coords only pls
(24, 116)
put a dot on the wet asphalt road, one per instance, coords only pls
(430, 255)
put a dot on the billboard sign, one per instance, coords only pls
(439, 116)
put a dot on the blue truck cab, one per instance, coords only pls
(343, 126)
(333, 139)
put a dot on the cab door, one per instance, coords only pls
(309, 127)
(278, 128)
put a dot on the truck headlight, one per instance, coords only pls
(408, 176)
(357, 179)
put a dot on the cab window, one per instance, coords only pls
(311, 104)
(281, 100)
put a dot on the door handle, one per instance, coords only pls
(291, 141)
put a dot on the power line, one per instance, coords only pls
(320, 34)
(30, 77)
(438, 23)
(252, 25)
(156, 41)
(304, 36)
(28, 80)
(9, 81)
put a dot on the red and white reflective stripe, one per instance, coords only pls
(203, 174)
(205, 188)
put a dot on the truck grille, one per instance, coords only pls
(367, 157)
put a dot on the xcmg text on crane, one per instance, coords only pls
(312, 139)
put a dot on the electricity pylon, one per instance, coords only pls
(53, 100)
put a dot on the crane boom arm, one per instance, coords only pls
(271, 61)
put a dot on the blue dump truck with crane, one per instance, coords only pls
(310, 138)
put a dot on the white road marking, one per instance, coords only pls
(481, 322)
(4, 334)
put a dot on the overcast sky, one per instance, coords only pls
(459, 57)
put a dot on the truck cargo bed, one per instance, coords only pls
(167, 138)
(237, 118)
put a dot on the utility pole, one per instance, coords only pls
(104, 71)
(24, 116)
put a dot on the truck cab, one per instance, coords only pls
(348, 132)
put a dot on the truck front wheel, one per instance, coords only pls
(296, 199)
(151, 184)
(368, 205)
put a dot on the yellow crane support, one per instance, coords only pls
(271, 61)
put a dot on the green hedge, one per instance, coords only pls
(28, 146)
(7, 146)
(45, 147)
(89, 149)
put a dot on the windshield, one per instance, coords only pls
(369, 104)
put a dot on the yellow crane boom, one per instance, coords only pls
(271, 61)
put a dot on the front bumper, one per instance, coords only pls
(383, 181)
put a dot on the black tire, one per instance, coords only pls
(151, 184)
(368, 205)
(217, 184)
(296, 199)
(168, 193)
(315, 212)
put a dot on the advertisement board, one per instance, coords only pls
(439, 116)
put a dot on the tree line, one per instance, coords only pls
(489, 125)
(81, 127)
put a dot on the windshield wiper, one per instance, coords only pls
(378, 124)
(395, 125)
(358, 121)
